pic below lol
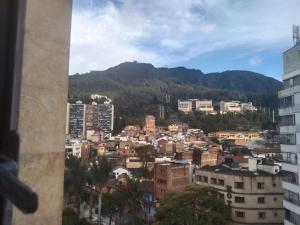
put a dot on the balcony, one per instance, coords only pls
(290, 167)
(290, 158)
(289, 91)
(292, 197)
(291, 218)
(290, 177)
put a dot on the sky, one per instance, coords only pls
(210, 35)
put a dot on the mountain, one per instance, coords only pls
(138, 88)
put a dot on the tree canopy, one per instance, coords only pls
(195, 206)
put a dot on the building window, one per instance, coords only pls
(290, 177)
(288, 139)
(292, 197)
(202, 179)
(221, 182)
(289, 157)
(240, 214)
(292, 217)
(286, 101)
(287, 59)
(239, 199)
(221, 196)
(260, 185)
(261, 200)
(239, 185)
(275, 199)
(288, 120)
(261, 215)
(275, 214)
(213, 180)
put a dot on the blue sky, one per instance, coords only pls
(210, 35)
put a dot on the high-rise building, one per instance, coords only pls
(100, 116)
(76, 120)
(289, 100)
(150, 124)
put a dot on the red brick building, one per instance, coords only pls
(171, 176)
(184, 155)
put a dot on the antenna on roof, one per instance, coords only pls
(296, 34)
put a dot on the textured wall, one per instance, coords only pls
(43, 107)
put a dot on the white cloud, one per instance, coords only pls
(166, 32)
(255, 61)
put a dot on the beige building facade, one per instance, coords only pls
(255, 197)
(43, 107)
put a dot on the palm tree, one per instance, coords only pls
(145, 152)
(75, 179)
(194, 206)
(134, 195)
(111, 205)
(100, 171)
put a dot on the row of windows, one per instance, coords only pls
(260, 215)
(292, 217)
(260, 200)
(288, 139)
(291, 177)
(288, 120)
(292, 197)
(289, 157)
(237, 185)
(292, 82)
(286, 101)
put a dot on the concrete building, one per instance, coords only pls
(234, 135)
(150, 124)
(248, 107)
(73, 147)
(175, 175)
(42, 111)
(100, 117)
(289, 100)
(76, 122)
(255, 197)
(232, 106)
(211, 156)
(195, 105)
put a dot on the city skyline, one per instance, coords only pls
(212, 36)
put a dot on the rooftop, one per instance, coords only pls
(224, 169)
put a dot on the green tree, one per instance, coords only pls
(194, 206)
(100, 173)
(111, 205)
(145, 152)
(134, 195)
(75, 179)
(70, 218)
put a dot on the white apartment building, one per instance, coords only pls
(73, 147)
(231, 106)
(289, 112)
(248, 106)
(195, 105)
